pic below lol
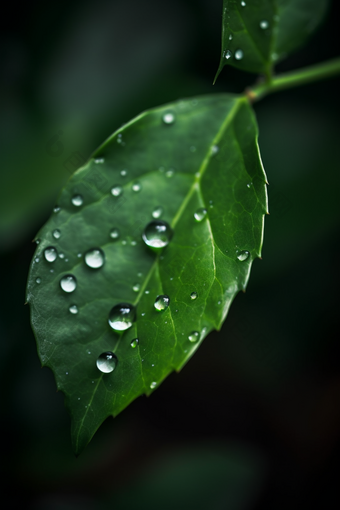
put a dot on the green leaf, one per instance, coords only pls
(206, 158)
(256, 34)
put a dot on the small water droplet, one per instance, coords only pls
(120, 139)
(116, 191)
(134, 343)
(37, 241)
(243, 4)
(249, 185)
(73, 309)
(133, 243)
(194, 295)
(79, 255)
(200, 214)
(194, 336)
(99, 161)
(214, 149)
(230, 37)
(168, 118)
(136, 187)
(36, 259)
(107, 362)
(68, 283)
(114, 233)
(193, 148)
(38, 280)
(274, 56)
(56, 209)
(95, 258)
(77, 200)
(56, 233)
(147, 292)
(239, 54)
(170, 172)
(142, 314)
(157, 212)
(153, 385)
(51, 270)
(243, 255)
(139, 275)
(122, 316)
(136, 287)
(50, 254)
(228, 54)
(264, 24)
(124, 242)
(157, 234)
(162, 302)
(61, 255)
(123, 173)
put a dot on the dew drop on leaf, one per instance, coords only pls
(68, 283)
(170, 172)
(38, 280)
(50, 254)
(194, 336)
(214, 149)
(157, 234)
(123, 173)
(77, 200)
(56, 209)
(56, 233)
(134, 343)
(99, 161)
(168, 118)
(243, 255)
(239, 54)
(153, 385)
(162, 302)
(200, 214)
(73, 309)
(136, 287)
(228, 54)
(243, 4)
(194, 295)
(122, 316)
(230, 37)
(264, 24)
(107, 362)
(157, 212)
(114, 233)
(116, 191)
(95, 258)
(136, 187)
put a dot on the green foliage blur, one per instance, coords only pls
(253, 420)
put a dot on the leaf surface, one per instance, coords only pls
(256, 34)
(207, 158)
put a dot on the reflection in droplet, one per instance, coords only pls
(162, 302)
(122, 316)
(95, 258)
(50, 254)
(194, 295)
(194, 336)
(68, 283)
(157, 234)
(200, 214)
(243, 255)
(134, 343)
(107, 362)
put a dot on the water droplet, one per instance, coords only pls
(56, 209)
(162, 302)
(61, 256)
(38, 280)
(200, 214)
(134, 343)
(122, 316)
(239, 54)
(157, 212)
(153, 385)
(194, 336)
(37, 241)
(73, 309)
(136, 187)
(77, 200)
(124, 242)
(68, 283)
(116, 191)
(147, 292)
(230, 37)
(243, 255)
(157, 234)
(56, 233)
(249, 185)
(214, 149)
(228, 54)
(79, 255)
(170, 172)
(123, 173)
(243, 4)
(133, 243)
(274, 56)
(114, 233)
(193, 148)
(142, 314)
(168, 118)
(107, 362)
(194, 295)
(36, 259)
(139, 275)
(50, 254)
(51, 270)
(95, 258)
(99, 161)
(264, 24)
(136, 287)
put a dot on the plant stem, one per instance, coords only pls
(294, 79)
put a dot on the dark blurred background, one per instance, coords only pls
(253, 420)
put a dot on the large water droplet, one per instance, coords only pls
(95, 258)
(136, 187)
(162, 302)
(157, 212)
(73, 309)
(56, 233)
(194, 295)
(116, 191)
(114, 233)
(77, 200)
(228, 54)
(134, 343)
(153, 385)
(50, 254)
(107, 362)
(122, 316)
(264, 24)
(68, 283)
(168, 118)
(239, 54)
(243, 255)
(136, 287)
(157, 234)
(200, 214)
(194, 336)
